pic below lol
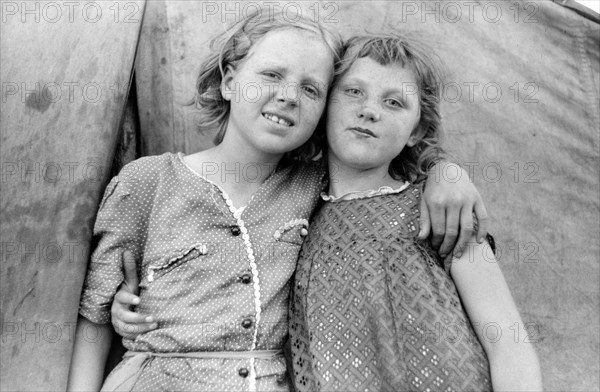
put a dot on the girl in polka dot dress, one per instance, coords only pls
(373, 308)
(215, 235)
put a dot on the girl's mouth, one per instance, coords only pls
(363, 131)
(278, 119)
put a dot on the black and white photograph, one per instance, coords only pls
(300, 196)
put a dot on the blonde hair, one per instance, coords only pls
(230, 48)
(413, 162)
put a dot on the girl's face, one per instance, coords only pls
(278, 92)
(372, 113)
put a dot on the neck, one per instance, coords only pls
(250, 165)
(344, 179)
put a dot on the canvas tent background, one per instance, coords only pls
(65, 81)
(520, 108)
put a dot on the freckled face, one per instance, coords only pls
(372, 113)
(279, 91)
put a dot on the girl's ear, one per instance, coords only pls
(416, 136)
(418, 133)
(227, 90)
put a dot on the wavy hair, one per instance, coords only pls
(413, 163)
(230, 48)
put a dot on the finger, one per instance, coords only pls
(123, 330)
(483, 220)
(424, 221)
(466, 231)
(131, 331)
(125, 298)
(130, 269)
(452, 227)
(130, 317)
(438, 225)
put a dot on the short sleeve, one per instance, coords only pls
(115, 230)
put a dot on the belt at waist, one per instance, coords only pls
(258, 354)
(127, 374)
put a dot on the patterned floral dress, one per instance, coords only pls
(373, 309)
(215, 277)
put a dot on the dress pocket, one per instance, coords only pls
(286, 243)
(292, 232)
(174, 260)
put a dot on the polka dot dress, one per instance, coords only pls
(215, 277)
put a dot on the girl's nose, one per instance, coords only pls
(288, 93)
(366, 112)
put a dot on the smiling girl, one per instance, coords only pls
(212, 270)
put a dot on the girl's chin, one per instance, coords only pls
(277, 147)
(359, 163)
(361, 159)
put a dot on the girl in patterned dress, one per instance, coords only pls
(373, 308)
(215, 235)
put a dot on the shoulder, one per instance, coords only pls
(148, 168)
(142, 176)
(415, 190)
(136, 185)
(147, 172)
(407, 200)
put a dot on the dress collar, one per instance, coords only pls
(384, 190)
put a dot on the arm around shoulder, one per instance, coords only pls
(447, 208)
(493, 313)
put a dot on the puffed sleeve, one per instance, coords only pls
(117, 228)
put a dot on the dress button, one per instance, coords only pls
(247, 323)
(246, 278)
(243, 372)
(235, 230)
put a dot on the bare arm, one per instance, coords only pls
(513, 362)
(92, 344)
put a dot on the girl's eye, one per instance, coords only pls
(353, 91)
(394, 103)
(311, 91)
(270, 74)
